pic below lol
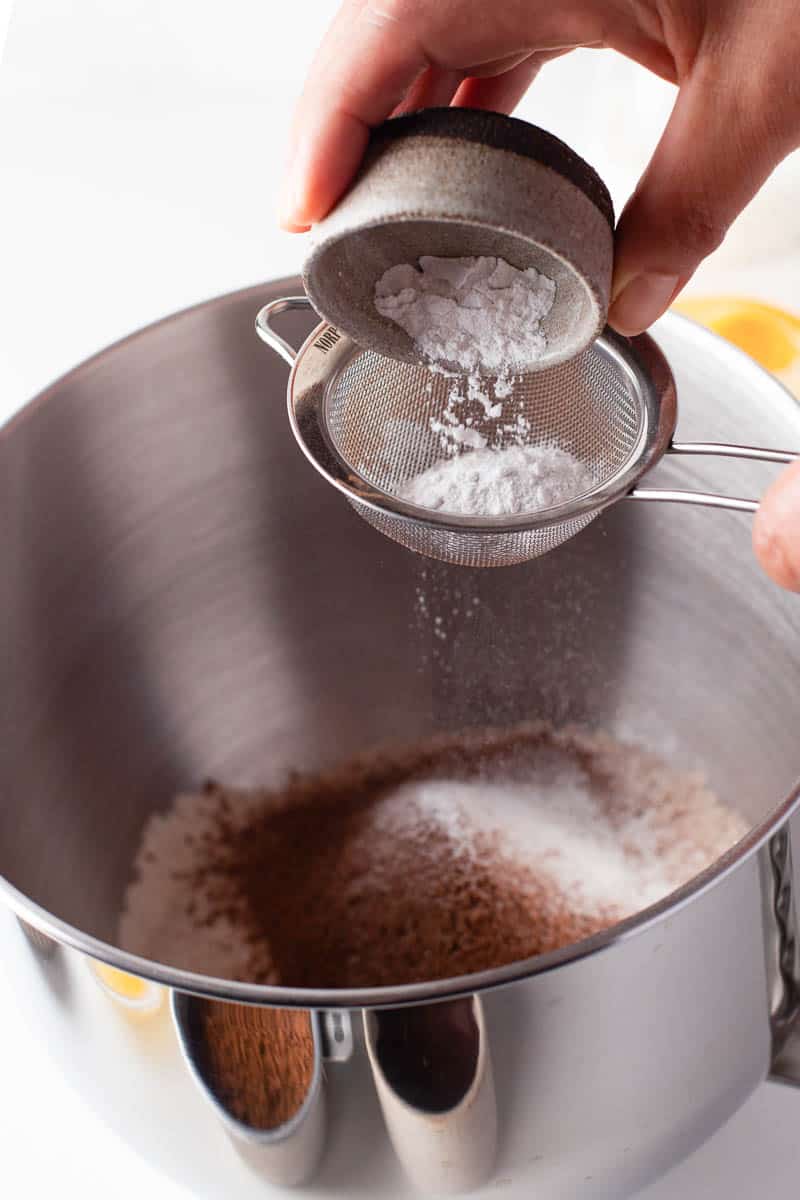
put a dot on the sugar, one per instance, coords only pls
(661, 828)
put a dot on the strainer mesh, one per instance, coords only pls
(378, 415)
(472, 548)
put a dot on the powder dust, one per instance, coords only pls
(462, 854)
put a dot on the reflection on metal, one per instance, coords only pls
(782, 957)
(433, 1074)
(139, 998)
(42, 944)
(337, 1035)
(287, 1154)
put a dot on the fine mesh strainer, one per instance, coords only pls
(364, 422)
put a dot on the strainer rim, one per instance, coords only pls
(641, 359)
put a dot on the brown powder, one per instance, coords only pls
(341, 906)
(259, 1062)
(311, 886)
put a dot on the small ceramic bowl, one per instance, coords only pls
(459, 182)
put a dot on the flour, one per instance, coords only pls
(499, 482)
(470, 313)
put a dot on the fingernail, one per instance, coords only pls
(292, 198)
(642, 301)
(286, 217)
(291, 226)
(286, 221)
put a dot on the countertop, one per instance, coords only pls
(140, 151)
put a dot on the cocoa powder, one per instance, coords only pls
(340, 903)
(259, 1062)
(312, 885)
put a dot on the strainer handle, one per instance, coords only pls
(267, 333)
(724, 450)
(721, 450)
(707, 499)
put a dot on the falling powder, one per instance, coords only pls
(481, 316)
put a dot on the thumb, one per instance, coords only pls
(724, 137)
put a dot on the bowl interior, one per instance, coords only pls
(182, 597)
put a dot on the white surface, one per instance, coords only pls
(140, 145)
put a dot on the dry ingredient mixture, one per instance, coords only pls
(458, 855)
(469, 313)
(499, 482)
(259, 1062)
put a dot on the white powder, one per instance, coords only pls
(454, 434)
(494, 483)
(557, 830)
(480, 315)
(661, 829)
(470, 313)
(455, 429)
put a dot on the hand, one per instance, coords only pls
(737, 115)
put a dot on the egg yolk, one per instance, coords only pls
(769, 335)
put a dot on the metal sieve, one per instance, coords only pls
(364, 422)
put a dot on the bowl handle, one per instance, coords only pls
(267, 333)
(432, 1070)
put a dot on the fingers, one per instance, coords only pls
(433, 88)
(723, 139)
(776, 530)
(503, 92)
(377, 50)
(362, 70)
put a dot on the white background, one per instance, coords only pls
(140, 151)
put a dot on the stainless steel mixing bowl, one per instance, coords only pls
(181, 596)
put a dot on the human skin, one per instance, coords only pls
(736, 116)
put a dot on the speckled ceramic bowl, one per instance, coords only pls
(459, 182)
